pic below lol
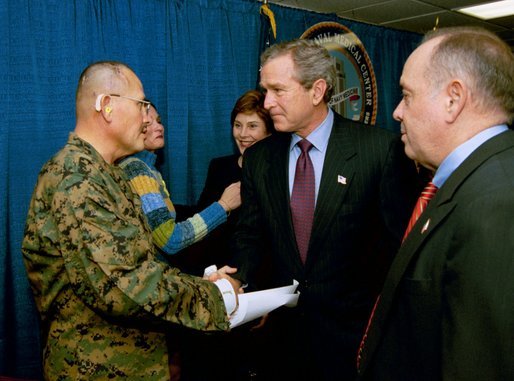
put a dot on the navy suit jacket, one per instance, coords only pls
(358, 225)
(447, 308)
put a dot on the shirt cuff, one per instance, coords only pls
(229, 296)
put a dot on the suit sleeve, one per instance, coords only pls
(478, 291)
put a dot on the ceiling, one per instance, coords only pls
(417, 16)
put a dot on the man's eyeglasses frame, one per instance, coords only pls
(143, 103)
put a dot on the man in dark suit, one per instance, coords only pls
(364, 192)
(446, 311)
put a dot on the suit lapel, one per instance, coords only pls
(338, 171)
(434, 214)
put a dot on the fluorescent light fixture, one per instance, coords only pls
(490, 10)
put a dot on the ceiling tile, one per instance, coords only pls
(507, 21)
(389, 11)
(327, 6)
(452, 4)
(423, 24)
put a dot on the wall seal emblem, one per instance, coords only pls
(355, 95)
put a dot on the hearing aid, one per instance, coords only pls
(98, 105)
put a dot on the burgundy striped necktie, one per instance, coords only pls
(421, 204)
(302, 198)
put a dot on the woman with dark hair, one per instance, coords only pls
(250, 123)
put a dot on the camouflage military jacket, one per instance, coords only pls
(104, 298)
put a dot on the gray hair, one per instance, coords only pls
(312, 62)
(478, 57)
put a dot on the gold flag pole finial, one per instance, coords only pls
(436, 23)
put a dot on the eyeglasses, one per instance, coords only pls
(142, 102)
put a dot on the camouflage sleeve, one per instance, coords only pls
(110, 260)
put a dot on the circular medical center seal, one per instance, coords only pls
(355, 94)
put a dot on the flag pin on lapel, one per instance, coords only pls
(425, 227)
(341, 179)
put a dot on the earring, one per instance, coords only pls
(108, 110)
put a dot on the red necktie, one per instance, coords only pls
(302, 198)
(426, 195)
(421, 204)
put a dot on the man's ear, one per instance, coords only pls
(102, 105)
(319, 87)
(456, 98)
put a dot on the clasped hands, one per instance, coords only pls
(213, 274)
(223, 273)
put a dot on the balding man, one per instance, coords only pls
(446, 311)
(105, 300)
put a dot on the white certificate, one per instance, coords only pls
(253, 305)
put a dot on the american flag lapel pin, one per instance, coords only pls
(341, 179)
(425, 226)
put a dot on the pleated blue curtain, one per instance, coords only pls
(194, 57)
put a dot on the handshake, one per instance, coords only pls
(252, 305)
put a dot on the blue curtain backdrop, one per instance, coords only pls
(194, 57)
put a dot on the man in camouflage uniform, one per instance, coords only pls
(104, 298)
